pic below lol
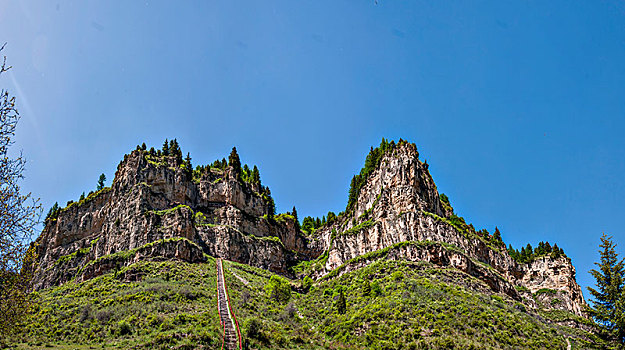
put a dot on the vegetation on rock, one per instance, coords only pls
(372, 162)
(528, 254)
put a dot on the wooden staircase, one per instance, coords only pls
(231, 332)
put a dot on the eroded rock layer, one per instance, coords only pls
(155, 200)
(399, 203)
(157, 209)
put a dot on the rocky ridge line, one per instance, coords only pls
(156, 209)
(399, 202)
(155, 200)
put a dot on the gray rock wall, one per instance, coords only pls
(148, 202)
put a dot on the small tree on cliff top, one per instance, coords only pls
(234, 161)
(166, 148)
(101, 181)
(255, 175)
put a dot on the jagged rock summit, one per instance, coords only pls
(397, 213)
(158, 208)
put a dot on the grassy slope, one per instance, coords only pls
(173, 305)
(417, 306)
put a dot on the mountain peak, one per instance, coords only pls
(159, 207)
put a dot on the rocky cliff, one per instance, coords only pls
(552, 283)
(158, 209)
(399, 202)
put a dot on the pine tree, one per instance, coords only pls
(540, 250)
(271, 208)
(353, 191)
(174, 150)
(555, 251)
(101, 181)
(512, 252)
(53, 211)
(246, 173)
(497, 235)
(608, 306)
(308, 224)
(166, 148)
(523, 255)
(294, 212)
(255, 175)
(530, 252)
(234, 161)
(82, 196)
(331, 217)
(143, 146)
(172, 147)
(187, 161)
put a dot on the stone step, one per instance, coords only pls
(230, 336)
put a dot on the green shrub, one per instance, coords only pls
(307, 283)
(497, 298)
(396, 276)
(252, 328)
(154, 320)
(341, 304)
(124, 328)
(366, 287)
(278, 289)
(376, 289)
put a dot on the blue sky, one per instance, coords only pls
(518, 106)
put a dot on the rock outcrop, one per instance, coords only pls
(155, 199)
(552, 282)
(157, 209)
(399, 202)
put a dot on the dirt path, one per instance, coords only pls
(243, 280)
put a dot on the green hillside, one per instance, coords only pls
(387, 305)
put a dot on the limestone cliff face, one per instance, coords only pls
(155, 209)
(156, 200)
(400, 203)
(553, 282)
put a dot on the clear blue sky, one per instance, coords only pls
(518, 106)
